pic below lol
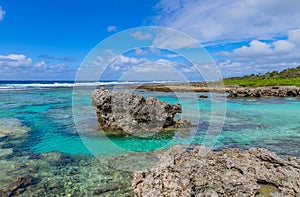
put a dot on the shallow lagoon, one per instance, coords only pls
(45, 115)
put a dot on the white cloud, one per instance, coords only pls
(283, 46)
(58, 67)
(124, 67)
(255, 48)
(173, 40)
(209, 20)
(41, 65)
(112, 28)
(2, 13)
(147, 51)
(267, 52)
(262, 56)
(139, 51)
(154, 70)
(257, 23)
(106, 58)
(110, 58)
(294, 36)
(121, 59)
(140, 35)
(19, 66)
(14, 60)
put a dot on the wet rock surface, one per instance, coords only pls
(202, 172)
(278, 91)
(129, 113)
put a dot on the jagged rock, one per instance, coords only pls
(130, 113)
(278, 91)
(183, 123)
(202, 172)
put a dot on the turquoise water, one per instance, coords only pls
(272, 123)
(39, 137)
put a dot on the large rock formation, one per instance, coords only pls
(279, 91)
(129, 113)
(255, 172)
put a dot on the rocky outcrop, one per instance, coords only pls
(129, 113)
(255, 172)
(278, 91)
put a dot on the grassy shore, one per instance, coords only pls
(287, 77)
(258, 82)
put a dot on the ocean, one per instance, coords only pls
(57, 118)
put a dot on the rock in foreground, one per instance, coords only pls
(255, 172)
(129, 113)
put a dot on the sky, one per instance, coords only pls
(49, 40)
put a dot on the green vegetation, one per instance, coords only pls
(290, 76)
(267, 190)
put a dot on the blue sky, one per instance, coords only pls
(48, 40)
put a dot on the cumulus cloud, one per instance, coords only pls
(274, 51)
(262, 56)
(126, 67)
(140, 35)
(110, 58)
(255, 48)
(283, 46)
(19, 66)
(294, 36)
(154, 70)
(14, 60)
(209, 20)
(41, 65)
(112, 28)
(2, 13)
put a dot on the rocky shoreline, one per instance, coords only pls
(232, 91)
(275, 91)
(231, 172)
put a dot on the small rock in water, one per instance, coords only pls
(203, 96)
